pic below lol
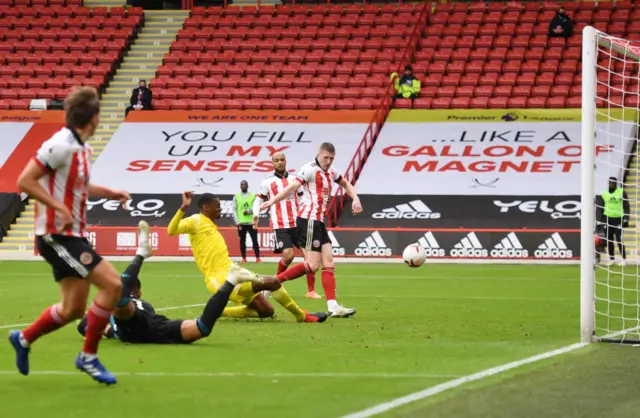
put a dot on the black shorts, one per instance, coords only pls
(150, 329)
(312, 235)
(165, 331)
(613, 226)
(68, 256)
(285, 238)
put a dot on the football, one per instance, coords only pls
(414, 255)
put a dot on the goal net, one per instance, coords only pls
(610, 283)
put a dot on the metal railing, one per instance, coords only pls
(377, 121)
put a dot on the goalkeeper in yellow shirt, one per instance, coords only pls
(212, 258)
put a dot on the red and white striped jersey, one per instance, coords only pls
(317, 186)
(67, 163)
(283, 214)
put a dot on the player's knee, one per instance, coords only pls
(328, 266)
(271, 283)
(115, 289)
(287, 256)
(266, 312)
(313, 265)
(71, 312)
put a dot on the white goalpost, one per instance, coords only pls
(609, 288)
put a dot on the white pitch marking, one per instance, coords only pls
(249, 374)
(451, 384)
(434, 390)
(13, 326)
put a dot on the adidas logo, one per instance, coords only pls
(469, 246)
(373, 245)
(416, 209)
(336, 249)
(509, 247)
(430, 245)
(553, 247)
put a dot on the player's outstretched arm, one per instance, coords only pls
(95, 190)
(178, 225)
(283, 194)
(256, 210)
(356, 206)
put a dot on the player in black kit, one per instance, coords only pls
(135, 321)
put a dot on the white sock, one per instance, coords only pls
(332, 305)
(88, 357)
(23, 342)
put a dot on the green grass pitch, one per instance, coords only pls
(415, 328)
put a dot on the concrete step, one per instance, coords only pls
(168, 23)
(19, 228)
(149, 42)
(139, 66)
(156, 14)
(110, 107)
(107, 125)
(135, 57)
(18, 240)
(104, 137)
(149, 70)
(113, 100)
(144, 58)
(158, 33)
(114, 92)
(18, 250)
(102, 131)
(113, 115)
(124, 83)
(26, 233)
(115, 108)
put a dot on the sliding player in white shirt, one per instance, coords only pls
(316, 177)
(283, 217)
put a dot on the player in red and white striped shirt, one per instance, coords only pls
(317, 178)
(58, 178)
(283, 216)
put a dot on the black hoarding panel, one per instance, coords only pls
(553, 212)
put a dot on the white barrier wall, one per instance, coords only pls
(177, 153)
(489, 152)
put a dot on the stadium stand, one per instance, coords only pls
(498, 55)
(50, 46)
(285, 57)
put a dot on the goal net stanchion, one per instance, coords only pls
(609, 294)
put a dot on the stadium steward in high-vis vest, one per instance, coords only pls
(243, 219)
(615, 216)
(407, 86)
